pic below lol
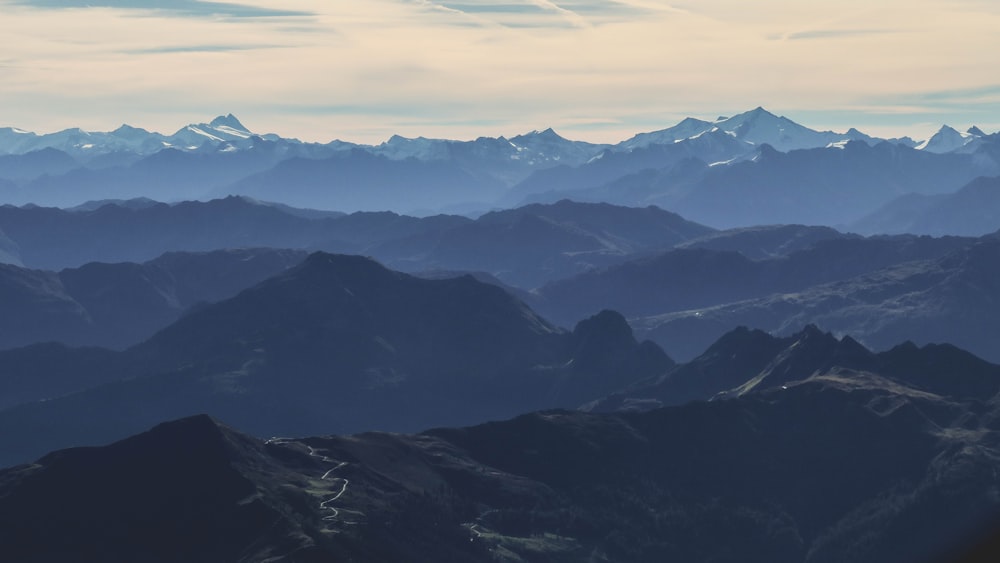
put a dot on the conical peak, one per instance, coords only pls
(228, 120)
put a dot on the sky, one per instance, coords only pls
(595, 70)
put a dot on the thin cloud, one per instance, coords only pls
(571, 16)
(179, 7)
(168, 49)
(835, 33)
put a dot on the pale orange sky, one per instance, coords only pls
(361, 70)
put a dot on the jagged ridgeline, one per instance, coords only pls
(748, 169)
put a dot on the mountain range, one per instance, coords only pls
(336, 343)
(525, 247)
(438, 350)
(854, 457)
(714, 172)
(679, 283)
(935, 300)
(687, 297)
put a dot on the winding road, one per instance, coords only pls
(325, 505)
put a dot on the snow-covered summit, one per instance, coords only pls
(756, 127)
(759, 126)
(225, 128)
(687, 128)
(420, 148)
(949, 139)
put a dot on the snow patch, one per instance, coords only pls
(225, 129)
(197, 131)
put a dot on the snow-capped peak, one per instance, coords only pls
(228, 121)
(947, 139)
(685, 129)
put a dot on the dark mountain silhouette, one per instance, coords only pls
(949, 299)
(973, 210)
(836, 464)
(116, 305)
(342, 343)
(189, 490)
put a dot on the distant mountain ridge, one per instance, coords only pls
(757, 126)
(748, 169)
(525, 247)
(973, 210)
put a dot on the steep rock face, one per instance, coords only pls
(606, 355)
(341, 343)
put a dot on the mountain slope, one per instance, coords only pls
(827, 186)
(117, 305)
(948, 299)
(530, 245)
(845, 465)
(696, 276)
(970, 211)
(336, 182)
(341, 343)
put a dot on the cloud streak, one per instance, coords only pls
(177, 7)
